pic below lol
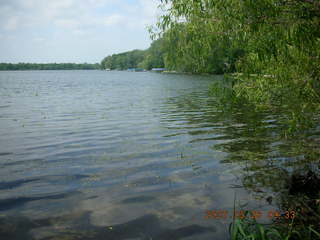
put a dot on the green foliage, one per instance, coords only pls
(274, 44)
(181, 49)
(48, 66)
(154, 57)
(123, 61)
(249, 229)
(192, 48)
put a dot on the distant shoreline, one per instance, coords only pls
(48, 66)
(26, 70)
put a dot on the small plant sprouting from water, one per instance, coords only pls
(303, 198)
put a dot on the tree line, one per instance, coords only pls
(153, 57)
(48, 66)
(176, 52)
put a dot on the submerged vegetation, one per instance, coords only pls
(270, 52)
(299, 217)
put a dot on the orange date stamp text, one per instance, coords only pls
(255, 214)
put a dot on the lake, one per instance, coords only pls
(134, 155)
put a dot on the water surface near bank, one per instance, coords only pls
(122, 155)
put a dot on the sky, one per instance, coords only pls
(44, 31)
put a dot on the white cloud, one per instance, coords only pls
(39, 39)
(11, 23)
(47, 9)
(67, 23)
(5, 9)
(74, 13)
(113, 20)
(149, 8)
(78, 32)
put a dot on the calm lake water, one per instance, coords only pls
(121, 155)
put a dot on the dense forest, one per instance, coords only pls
(153, 57)
(166, 52)
(123, 61)
(48, 66)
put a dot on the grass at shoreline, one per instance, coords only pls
(250, 229)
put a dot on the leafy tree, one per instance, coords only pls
(154, 57)
(123, 61)
(280, 39)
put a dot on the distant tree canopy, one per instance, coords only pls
(123, 61)
(153, 57)
(48, 66)
(175, 50)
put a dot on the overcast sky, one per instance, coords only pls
(73, 30)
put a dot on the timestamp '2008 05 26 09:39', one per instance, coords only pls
(255, 214)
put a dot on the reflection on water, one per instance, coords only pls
(117, 155)
(145, 227)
